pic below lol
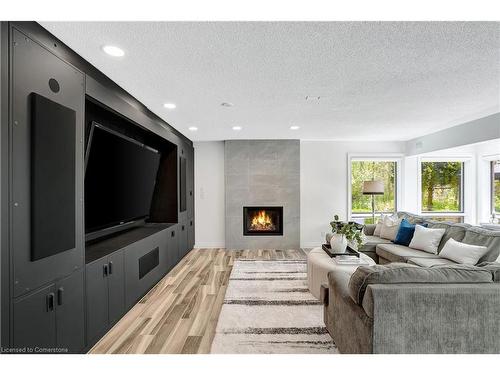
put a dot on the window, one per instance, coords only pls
(442, 190)
(495, 187)
(368, 170)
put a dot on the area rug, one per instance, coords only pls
(268, 309)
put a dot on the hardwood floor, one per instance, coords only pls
(180, 313)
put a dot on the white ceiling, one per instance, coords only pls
(376, 81)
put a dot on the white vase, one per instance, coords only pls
(338, 243)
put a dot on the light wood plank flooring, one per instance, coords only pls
(180, 313)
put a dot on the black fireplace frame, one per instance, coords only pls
(278, 232)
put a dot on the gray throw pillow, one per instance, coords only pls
(403, 273)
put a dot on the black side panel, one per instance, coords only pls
(52, 177)
(116, 284)
(97, 300)
(190, 234)
(33, 70)
(35, 319)
(70, 313)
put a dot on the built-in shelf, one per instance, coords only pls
(99, 249)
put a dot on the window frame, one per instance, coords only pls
(492, 188)
(463, 213)
(376, 157)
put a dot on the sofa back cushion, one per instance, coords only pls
(411, 218)
(452, 230)
(403, 273)
(484, 237)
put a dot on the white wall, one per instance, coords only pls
(209, 194)
(323, 183)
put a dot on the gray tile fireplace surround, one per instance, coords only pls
(262, 173)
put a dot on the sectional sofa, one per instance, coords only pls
(417, 302)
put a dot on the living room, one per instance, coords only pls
(278, 188)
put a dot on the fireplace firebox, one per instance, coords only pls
(263, 221)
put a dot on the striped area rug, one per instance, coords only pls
(268, 309)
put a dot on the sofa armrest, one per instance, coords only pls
(369, 229)
(435, 318)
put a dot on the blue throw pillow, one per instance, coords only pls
(405, 233)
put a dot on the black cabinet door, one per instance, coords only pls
(97, 299)
(190, 234)
(70, 315)
(183, 240)
(173, 245)
(36, 188)
(35, 320)
(116, 285)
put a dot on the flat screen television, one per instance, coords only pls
(120, 177)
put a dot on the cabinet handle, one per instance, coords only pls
(173, 233)
(191, 223)
(105, 270)
(50, 302)
(110, 264)
(60, 293)
(191, 193)
(183, 227)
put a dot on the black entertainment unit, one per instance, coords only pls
(97, 200)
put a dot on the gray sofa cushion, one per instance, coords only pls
(371, 243)
(400, 253)
(368, 229)
(455, 231)
(411, 218)
(400, 273)
(494, 268)
(484, 237)
(430, 262)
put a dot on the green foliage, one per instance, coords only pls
(441, 186)
(351, 231)
(373, 170)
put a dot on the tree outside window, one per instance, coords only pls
(364, 170)
(442, 186)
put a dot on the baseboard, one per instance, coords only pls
(209, 245)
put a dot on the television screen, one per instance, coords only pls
(120, 178)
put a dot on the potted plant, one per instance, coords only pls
(344, 234)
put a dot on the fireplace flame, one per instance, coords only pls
(262, 221)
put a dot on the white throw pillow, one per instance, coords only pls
(462, 253)
(426, 239)
(376, 232)
(390, 227)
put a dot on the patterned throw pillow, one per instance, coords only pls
(390, 227)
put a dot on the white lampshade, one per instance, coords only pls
(373, 187)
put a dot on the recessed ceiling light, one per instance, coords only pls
(226, 104)
(113, 51)
(193, 128)
(294, 127)
(237, 128)
(169, 105)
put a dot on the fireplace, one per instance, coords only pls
(263, 221)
